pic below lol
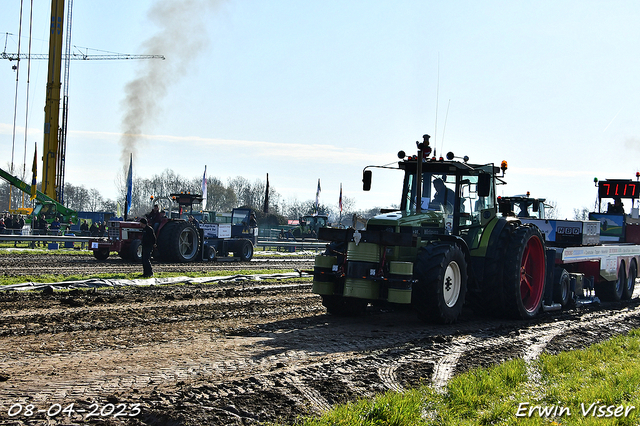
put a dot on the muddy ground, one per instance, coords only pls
(239, 352)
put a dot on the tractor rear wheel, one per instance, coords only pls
(441, 287)
(178, 241)
(245, 250)
(488, 297)
(524, 272)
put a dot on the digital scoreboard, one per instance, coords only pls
(618, 188)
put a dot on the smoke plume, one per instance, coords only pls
(180, 38)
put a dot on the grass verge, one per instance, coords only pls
(599, 385)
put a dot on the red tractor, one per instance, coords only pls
(179, 240)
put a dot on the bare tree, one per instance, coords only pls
(581, 214)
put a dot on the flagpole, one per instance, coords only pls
(127, 205)
(340, 203)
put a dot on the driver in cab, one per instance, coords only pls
(443, 197)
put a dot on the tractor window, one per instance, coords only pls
(409, 203)
(471, 204)
(240, 217)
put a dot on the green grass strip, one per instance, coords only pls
(599, 385)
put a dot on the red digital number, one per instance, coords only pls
(607, 186)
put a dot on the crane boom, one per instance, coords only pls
(52, 106)
(78, 56)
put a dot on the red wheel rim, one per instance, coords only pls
(532, 274)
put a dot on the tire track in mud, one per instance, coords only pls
(239, 353)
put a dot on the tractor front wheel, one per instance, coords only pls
(135, 251)
(101, 254)
(441, 287)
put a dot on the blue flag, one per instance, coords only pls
(129, 187)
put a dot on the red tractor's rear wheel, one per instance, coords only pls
(524, 272)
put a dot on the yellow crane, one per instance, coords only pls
(54, 142)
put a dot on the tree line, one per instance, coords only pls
(221, 197)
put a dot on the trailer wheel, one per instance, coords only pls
(524, 272)
(135, 251)
(561, 287)
(101, 254)
(179, 241)
(441, 271)
(344, 306)
(245, 251)
(613, 291)
(627, 293)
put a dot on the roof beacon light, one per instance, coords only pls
(503, 166)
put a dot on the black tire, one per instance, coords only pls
(344, 306)
(561, 287)
(179, 241)
(524, 272)
(627, 292)
(245, 250)
(488, 299)
(441, 287)
(135, 251)
(612, 291)
(101, 254)
(210, 253)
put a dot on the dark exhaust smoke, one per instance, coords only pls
(181, 36)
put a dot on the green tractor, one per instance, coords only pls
(309, 225)
(445, 245)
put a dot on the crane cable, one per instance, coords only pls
(15, 101)
(26, 115)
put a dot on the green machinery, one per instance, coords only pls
(45, 205)
(445, 245)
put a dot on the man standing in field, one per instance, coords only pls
(148, 243)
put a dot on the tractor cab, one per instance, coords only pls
(615, 224)
(185, 201)
(309, 225)
(523, 206)
(441, 197)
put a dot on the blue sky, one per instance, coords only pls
(321, 89)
